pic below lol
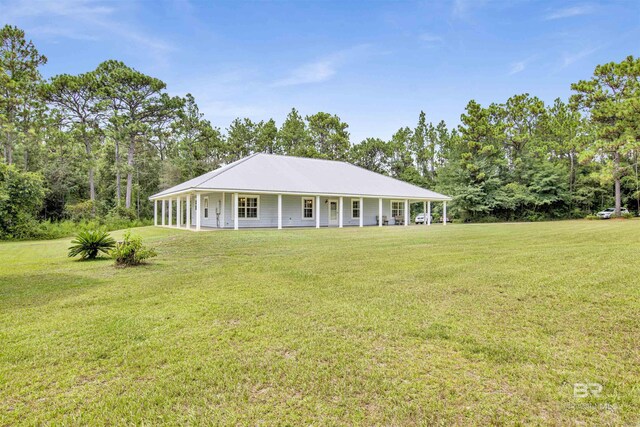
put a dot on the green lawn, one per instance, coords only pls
(463, 324)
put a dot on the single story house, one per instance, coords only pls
(265, 190)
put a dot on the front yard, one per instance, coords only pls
(463, 324)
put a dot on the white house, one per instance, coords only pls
(265, 190)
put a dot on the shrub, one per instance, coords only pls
(88, 244)
(487, 218)
(627, 215)
(21, 196)
(591, 217)
(576, 213)
(81, 211)
(535, 217)
(130, 251)
(120, 212)
(30, 228)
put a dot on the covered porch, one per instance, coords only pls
(215, 210)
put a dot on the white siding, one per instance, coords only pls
(291, 211)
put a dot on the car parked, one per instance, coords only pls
(609, 212)
(420, 218)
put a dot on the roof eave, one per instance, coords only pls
(159, 196)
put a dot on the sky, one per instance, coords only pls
(376, 64)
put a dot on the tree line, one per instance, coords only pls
(101, 142)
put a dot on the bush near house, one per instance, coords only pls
(130, 251)
(89, 244)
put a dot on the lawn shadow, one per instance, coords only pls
(97, 259)
(37, 289)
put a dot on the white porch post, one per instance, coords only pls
(170, 212)
(361, 213)
(279, 211)
(444, 213)
(429, 212)
(179, 212)
(188, 219)
(198, 215)
(235, 211)
(341, 214)
(379, 212)
(164, 213)
(406, 212)
(155, 212)
(317, 211)
(224, 196)
(424, 211)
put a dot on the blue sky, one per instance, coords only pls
(375, 64)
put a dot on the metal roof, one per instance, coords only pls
(269, 173)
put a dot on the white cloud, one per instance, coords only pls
(462, 8)
(517, 67)
(54, 32)
(430, 38)
(322, 69)
(79, 9)
(569, 12)
(83, 20)
(313, 72)
(572, 58)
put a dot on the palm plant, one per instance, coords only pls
(88, 244)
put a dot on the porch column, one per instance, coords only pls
(155, 213)
(341, 214)
(406, 212)
(317, 211)
(224, 196)
(424, 211)
(164, 214)
(198, 207)
(279, 211)
(170, 212)
(429, 212)
(361, 212)
(188, 219)
(235, 211)
(379, 212)
(444, 213)
(179, 212)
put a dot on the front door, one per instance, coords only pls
(333, 212)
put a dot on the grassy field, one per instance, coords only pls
(463, 324)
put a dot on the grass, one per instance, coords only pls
(463, 324)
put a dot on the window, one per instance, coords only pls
(248, 207)
(355, 208)
(206, 207)
(397, 208)
(307, 207)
